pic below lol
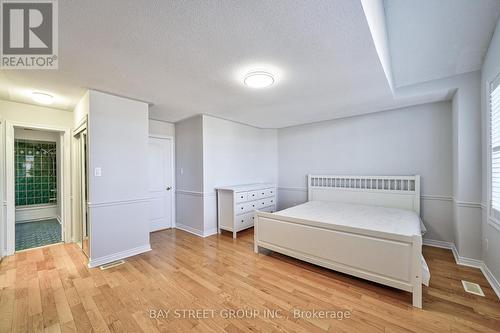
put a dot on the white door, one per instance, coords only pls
(160, 183)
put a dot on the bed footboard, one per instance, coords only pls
(388, 259)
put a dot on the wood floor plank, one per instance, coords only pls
(52, 290)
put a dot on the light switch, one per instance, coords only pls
(182, 171)
(97, 172)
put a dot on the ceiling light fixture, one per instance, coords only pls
(259, 79)
(42, 98)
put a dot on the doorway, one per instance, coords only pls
(37, 178)
(37, 184)
(82, 220)
(161, 179)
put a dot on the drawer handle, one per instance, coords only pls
(242, 221)
(253, 205)
(271, 201)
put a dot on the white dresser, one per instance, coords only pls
(236, 205)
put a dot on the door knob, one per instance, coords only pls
(168, 188)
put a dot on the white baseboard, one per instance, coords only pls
(210, 232)
(436, 243)
(194, 231)
(119, 255)
(467, 262)
(189, 229)
(491, 279)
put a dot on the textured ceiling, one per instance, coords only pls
(189, 57)
(432, 39)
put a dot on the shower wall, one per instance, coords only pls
(36, 172)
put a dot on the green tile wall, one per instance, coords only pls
(36, 172)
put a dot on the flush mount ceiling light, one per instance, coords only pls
(259, 79)
(42, 98)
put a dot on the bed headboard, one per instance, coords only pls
(386, 191)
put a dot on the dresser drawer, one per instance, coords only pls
(253, 195)
(244, 221)
(265, 202)
(246, 207)
(240, 197)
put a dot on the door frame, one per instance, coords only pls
(65, 195)
(79, 207)
(3, 201)
(172, 139)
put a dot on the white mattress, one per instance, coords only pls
(389, 220)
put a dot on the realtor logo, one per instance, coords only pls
(29, 34)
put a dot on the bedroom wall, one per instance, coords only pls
(490, 231)
(189, 174)
(233, 154)
(118, 208)
(414, 140)
(215, 152)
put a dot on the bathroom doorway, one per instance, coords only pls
(38, 186)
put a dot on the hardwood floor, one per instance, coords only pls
(52, 289)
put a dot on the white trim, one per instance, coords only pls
(3, 201)
(292, 189)
(437, 243)
(196, 193)
(119, 255)
(467, 204)
(189, 229)
(487, 117)
(463, 261)
(195, 231)
(118, 202)
(436, 197)
(495, 285)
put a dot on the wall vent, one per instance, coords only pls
(112, 264)
(472, 288)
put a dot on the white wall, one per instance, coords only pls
(490, 231)
(235, 154)
(189, 174)
(162, 128)
(118, 208)
(467, 167)
(414, 140)
(215, 152)
(29, 114)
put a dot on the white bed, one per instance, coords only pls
(366, 226)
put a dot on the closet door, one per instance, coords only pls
(160, 183)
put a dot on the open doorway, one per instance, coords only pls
(80, 206)
(37, 180)
(38, 186)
